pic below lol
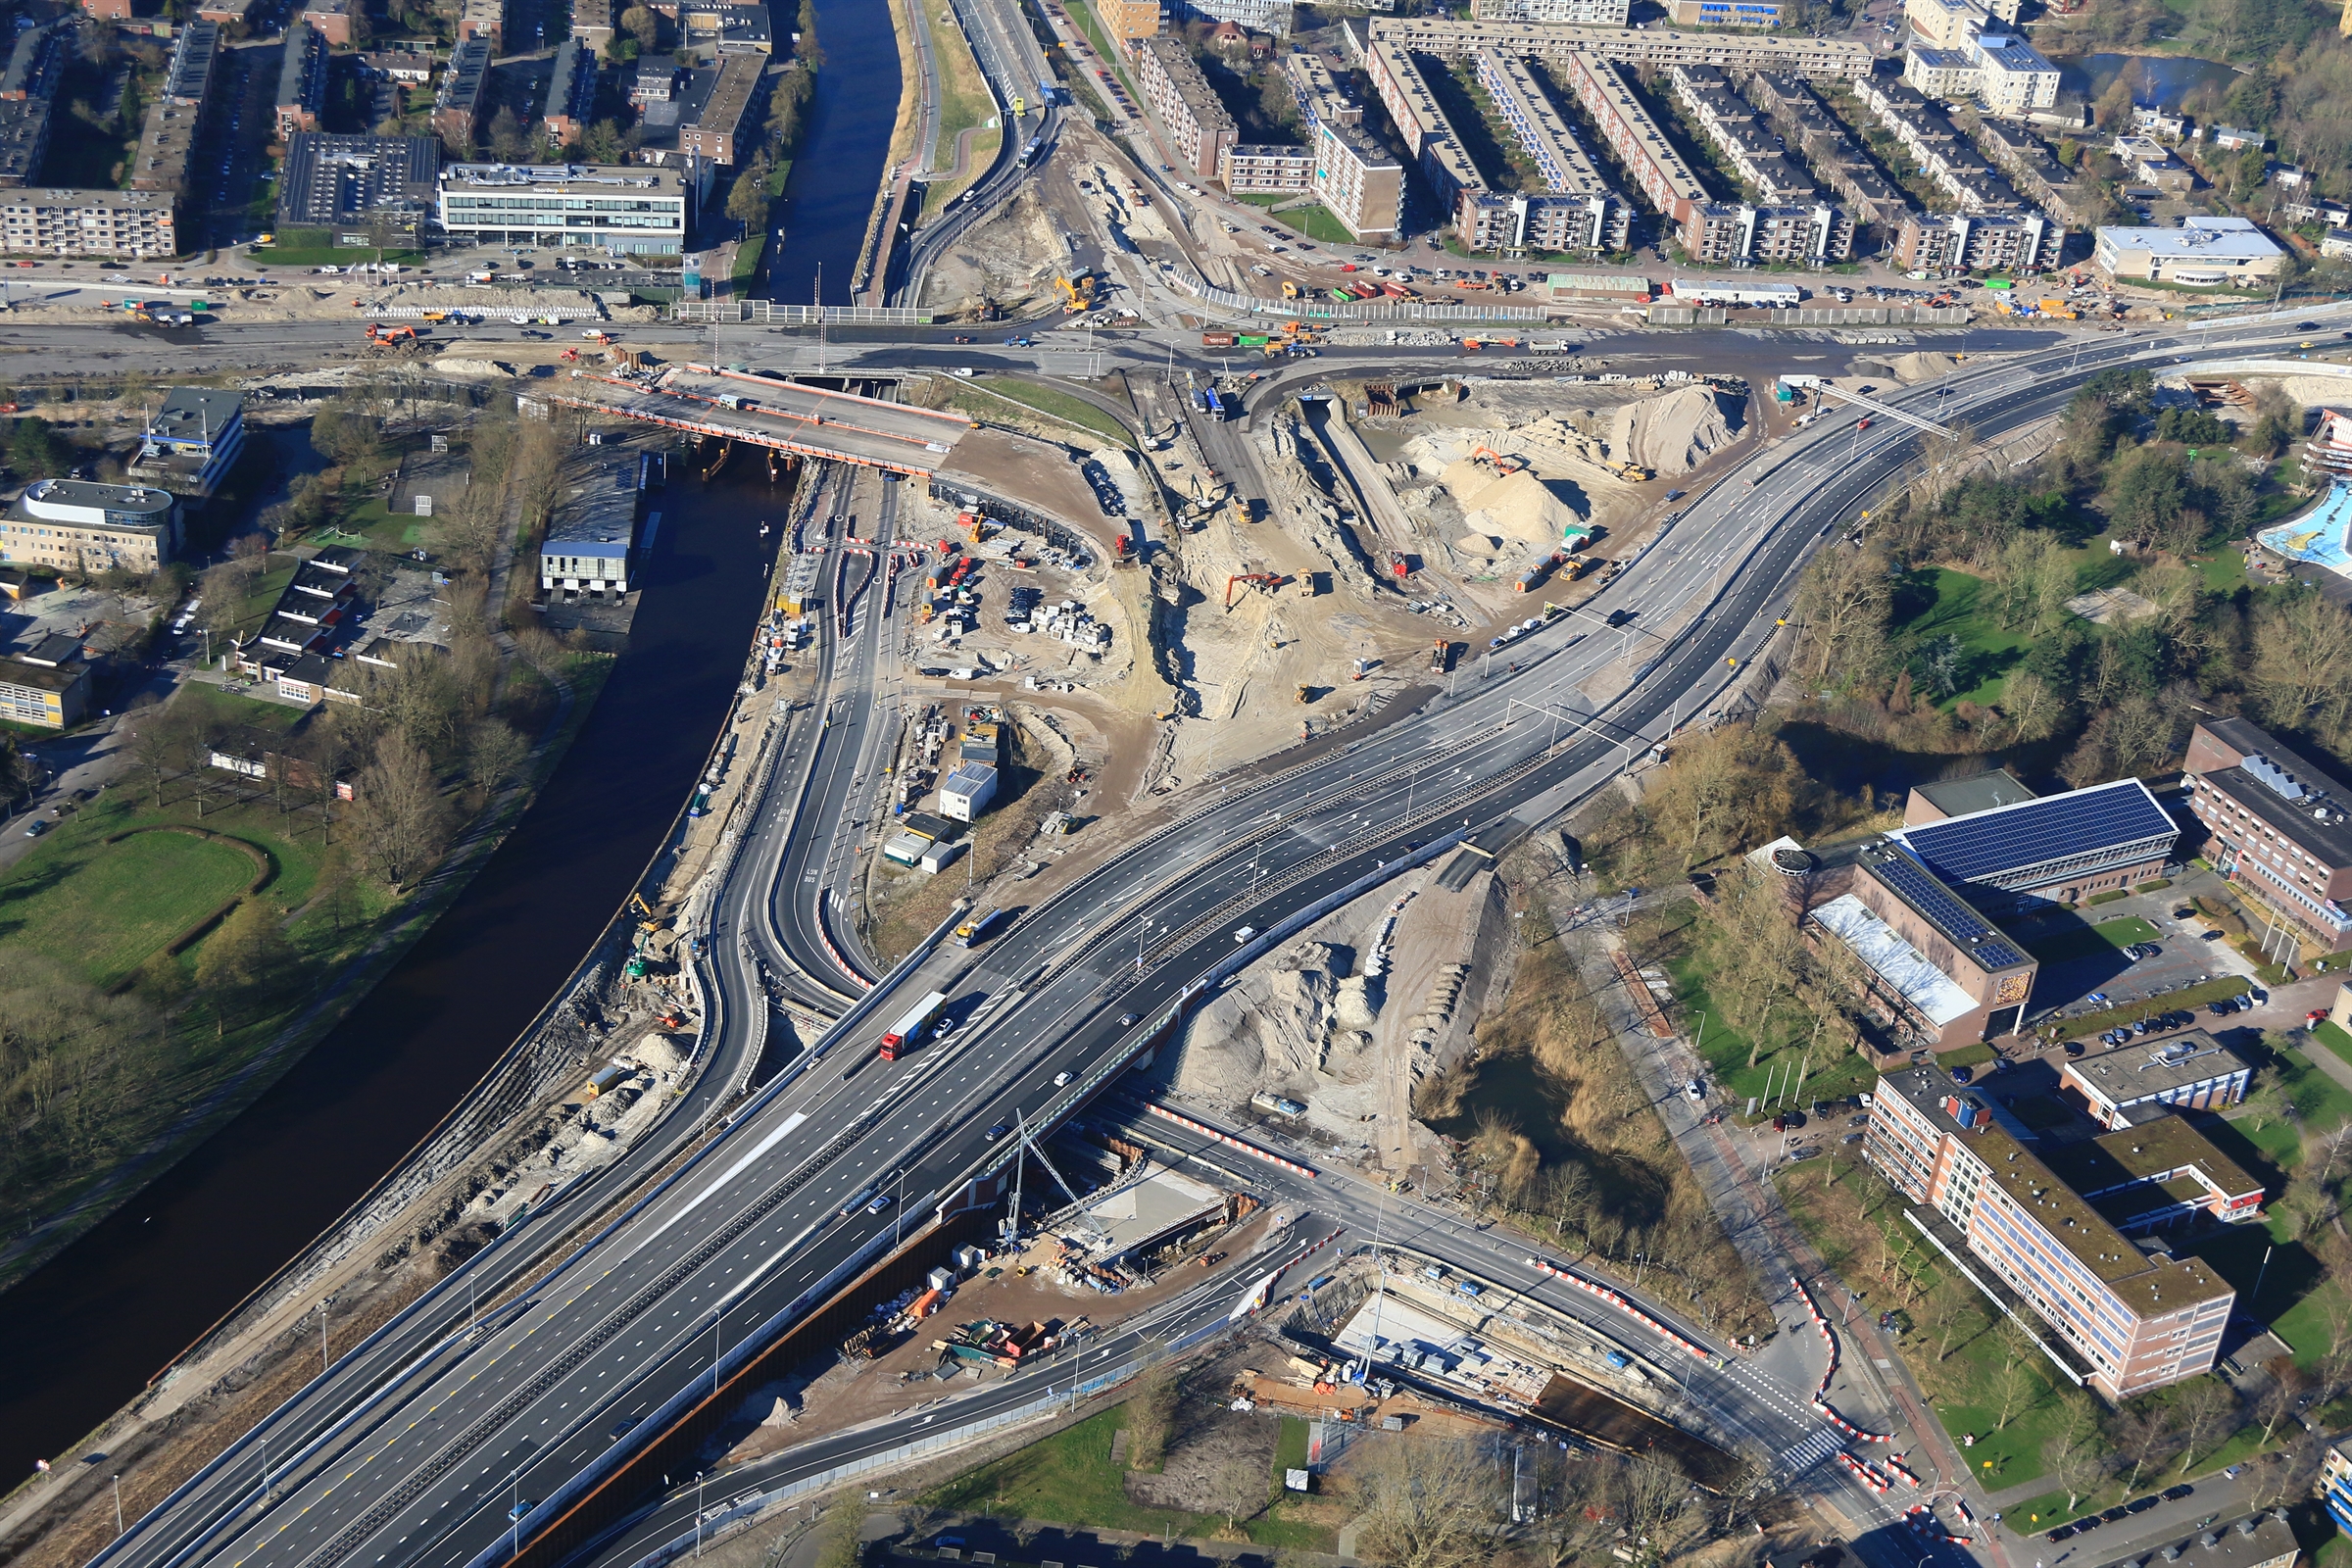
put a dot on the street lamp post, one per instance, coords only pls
(698, 1512)
(117, 1481)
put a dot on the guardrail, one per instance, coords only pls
(1394, 311)
(770, 313)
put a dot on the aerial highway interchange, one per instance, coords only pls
(454, 1437)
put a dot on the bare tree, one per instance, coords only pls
(2077, 1462)
(2146, 1432)
(1151, 1416)
(1430, 1506)
(494, 755)
(2279, 1400)
(2207, 1408)
(401, 812)
(2016, 1382)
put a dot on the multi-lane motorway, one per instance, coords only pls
(458, 1448)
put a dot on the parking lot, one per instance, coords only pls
(2087, 965)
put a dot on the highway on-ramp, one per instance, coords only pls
(480, 1441)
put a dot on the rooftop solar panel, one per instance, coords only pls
(1985, 846)
(1940, 904)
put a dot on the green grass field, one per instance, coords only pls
(2107, 935)
(1990, 652)
(1827, 1075)
(1056, 404)
(1069, 1478)
(101, 909)
(374, 525)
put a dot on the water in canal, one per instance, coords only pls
(2155, 78)
(830, 193)
(88, 1330)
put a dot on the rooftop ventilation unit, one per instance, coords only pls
(2279, 779)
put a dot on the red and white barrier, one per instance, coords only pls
(1830, 1414)
(1877, 1483)
(1895, 1466)
(1618, 1302)
(1230, 1141)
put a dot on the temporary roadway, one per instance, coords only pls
(785, 416)
(474, 1447)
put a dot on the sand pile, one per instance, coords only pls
(1919, 366)
(1675, 432)
(1515, 506)
(1269, 1031)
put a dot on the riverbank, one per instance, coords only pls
(262, 1185)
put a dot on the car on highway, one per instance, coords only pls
(999, 1131)
(522, 1506)
(882, 1201)
(1127, 1020)
(1061, 1080)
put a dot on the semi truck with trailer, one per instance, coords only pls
(908, 1032)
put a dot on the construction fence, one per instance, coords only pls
(771, 312)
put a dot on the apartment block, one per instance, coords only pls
(124, 224)
(1946, 157)
(1656, 170)
(1739, 133)
(2277, 825)
(1131, 21)
(2037, 171)
(1987, 242)
(1321, 94)
(191, 442)
(1654, 47)
(2014, 79)
(570, 92)
(1554, 13)
(166, 140)
(1728, 13)
(1266, 168)
(1184, 105)
(1850, 174)
(2117, 1314)
(1358, 181)
(1403, 91)
(1581, 210)
(1951, 25)
(717, 128)
(301, 80)
(458, 108)
(592, 24)
(485, 20)
(1947, 74)
(43, 694)
(29, 100)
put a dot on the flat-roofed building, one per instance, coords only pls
(1187, 108)
(485, 20)
(1586, 214)
(966, 791)
(2261, 1541)
(1264, 167)
(1552, 13)
(1358, 181)
(715, 129)
(592, 24)
(1958, 797)
(301, 80)
(166, 140)
(458, 106)
(29, 100)
(87, 527)
(332, 18)
(192, 441)
(588, 544)
(625, 209)
(1985, 242)
(2119, 1316)
(1428, 135)
(711, 31)
(1947, 74)
(2013, 78)
(135, 224)
(43, 695)
(2189, 1071)
(1321, 94)
(1947, 24)
(1654, 47)
(2202, 253)
(1728, 13)
(2154, 1172)
(1658, 172)
(195, 55)
(331, 182)
(1132, 20)
(2276, 823)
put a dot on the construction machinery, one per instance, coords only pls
(377, 332)
(1306, 694)
(1634, 472)
(1077, 293)
(1290, 290)
(1122, 551)
(1266, 579)
(1437, 656)
(647, 918)
(1398, 566)
(1496, 461)
(570, 356)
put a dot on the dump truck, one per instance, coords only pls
(978, 927)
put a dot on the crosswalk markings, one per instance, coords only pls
(1801, 1456)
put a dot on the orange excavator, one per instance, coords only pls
(377, 332)
(1268, 578)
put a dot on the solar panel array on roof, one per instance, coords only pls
(1938, 904)
(1984, 846)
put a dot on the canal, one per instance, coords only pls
(89, 1329)
(830, 192)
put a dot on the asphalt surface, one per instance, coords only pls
(518, 1418)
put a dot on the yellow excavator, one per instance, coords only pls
(1077, 293)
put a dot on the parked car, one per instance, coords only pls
(2176, 1493)
(1960, 1075)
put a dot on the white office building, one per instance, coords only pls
(626, 209)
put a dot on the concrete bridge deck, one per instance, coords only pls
(785, 416)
